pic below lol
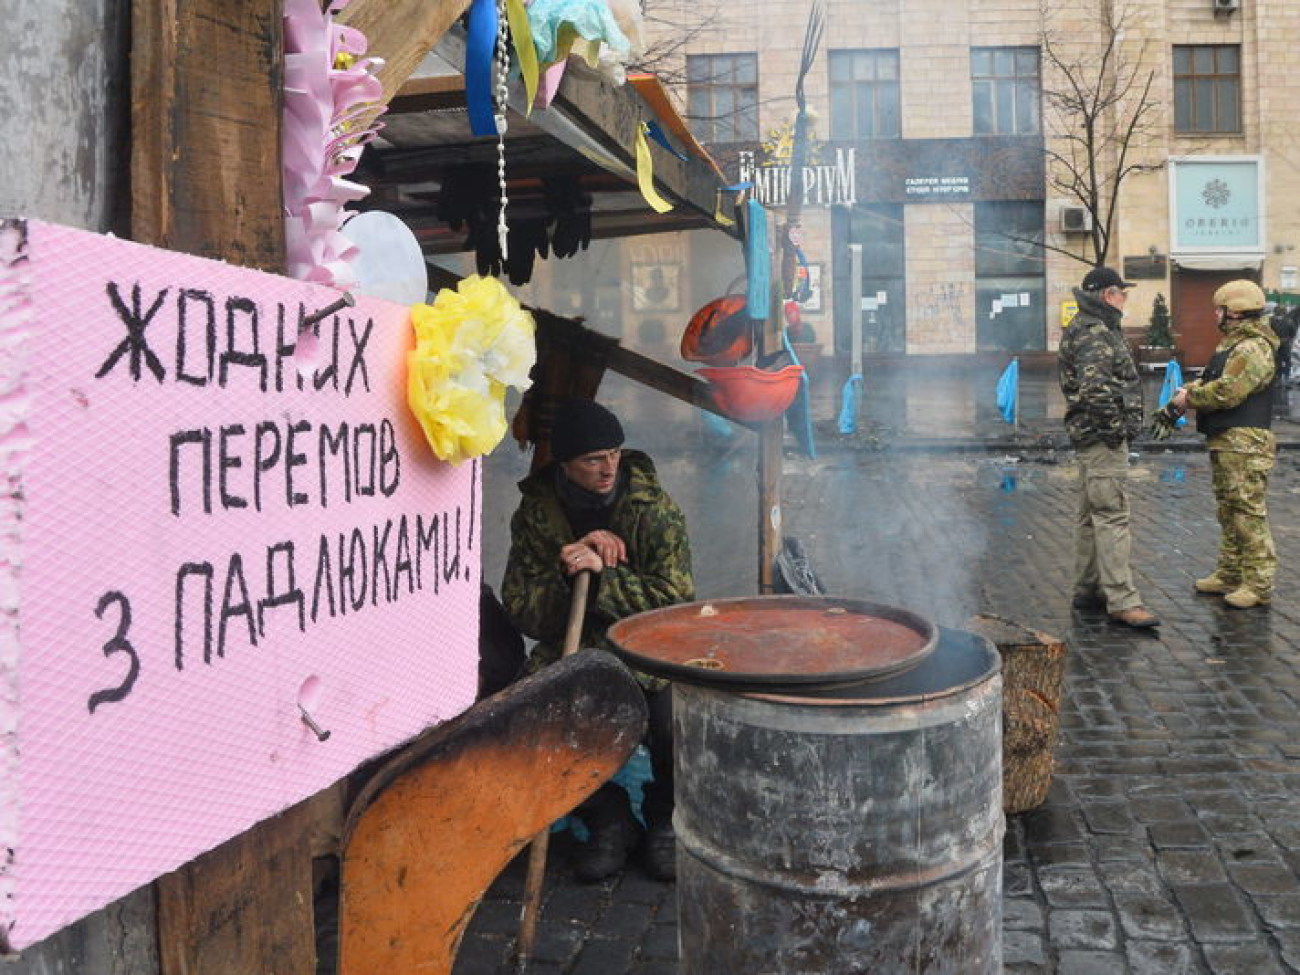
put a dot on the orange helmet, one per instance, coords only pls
(719, 334)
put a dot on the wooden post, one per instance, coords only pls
(1033, 667)
(206, 99)
(770, 440)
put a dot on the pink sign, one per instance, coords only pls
(221, 526)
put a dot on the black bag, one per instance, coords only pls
(501, 653)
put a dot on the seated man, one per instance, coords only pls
(597, 508)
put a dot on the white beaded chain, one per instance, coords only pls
(503, 71)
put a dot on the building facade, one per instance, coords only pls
(958, 143)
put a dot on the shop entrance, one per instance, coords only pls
(1192, 306)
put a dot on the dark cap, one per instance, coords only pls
(582, 426)
(1101, 278)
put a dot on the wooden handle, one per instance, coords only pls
(577, 612)
(532, 907)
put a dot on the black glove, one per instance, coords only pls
(1164, 421)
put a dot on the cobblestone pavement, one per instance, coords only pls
(1170, 841)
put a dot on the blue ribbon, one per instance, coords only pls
(480, 46)
(655, 132)
(758, 259)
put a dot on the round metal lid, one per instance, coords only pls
(771, 643)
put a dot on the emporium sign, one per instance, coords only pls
(233, 570)
(1216, 205)
(823, 185)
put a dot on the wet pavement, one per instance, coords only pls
(1170, 840)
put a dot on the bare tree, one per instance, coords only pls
(1103, 112)
(671, 29)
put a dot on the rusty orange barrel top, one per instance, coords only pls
(774, 643)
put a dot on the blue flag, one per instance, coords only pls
(1173, 380)
(1009, 391)
(758, 261)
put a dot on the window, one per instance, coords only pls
(1207, 88)
(1010, 292)
(878, 227)
(1004, 90)
(722, 96)
(864, 95)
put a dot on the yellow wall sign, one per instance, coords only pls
(1068, 310)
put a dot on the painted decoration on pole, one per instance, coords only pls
(232, 568)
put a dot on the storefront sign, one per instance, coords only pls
(221, 523)
(1146, 267)
(823, 186)
(937, 188)
(1216, 205)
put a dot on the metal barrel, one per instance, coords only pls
(844, 831)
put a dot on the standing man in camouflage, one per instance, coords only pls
(598, 508)
(1103, 413)
(1233, 400)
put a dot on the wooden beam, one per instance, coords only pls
(633, 365)
(669, 381)
(612, 115)
(206, 102)
(244, 907)
(401, 32)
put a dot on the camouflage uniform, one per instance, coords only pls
(1103, 412)
(1241, 457)
(536, 592)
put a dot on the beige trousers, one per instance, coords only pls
(1102, 541)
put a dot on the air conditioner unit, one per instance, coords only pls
(1226, 6)
(1075, 220)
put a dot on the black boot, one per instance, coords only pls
(614, 834)
(660, 852)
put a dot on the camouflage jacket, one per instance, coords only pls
(536, 592)
(1250, 367)
(1103, 395)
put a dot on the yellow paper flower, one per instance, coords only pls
(470, 345)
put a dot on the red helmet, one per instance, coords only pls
(753, 394)
(720, 334)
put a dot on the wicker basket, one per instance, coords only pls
(1033, 666)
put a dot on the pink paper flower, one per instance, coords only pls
(329, 92)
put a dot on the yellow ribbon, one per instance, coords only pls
(522, 33)
(645, 172)
(719, 211)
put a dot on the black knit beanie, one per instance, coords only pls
(582, 426)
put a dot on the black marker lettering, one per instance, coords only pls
(292, 595)
(178, 440)
(237, 308)
(135, 343)
(185, 299)
(226, 460)
(118, 643)
(205, 572)
(390, 461)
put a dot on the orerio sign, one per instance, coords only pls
(222, 529)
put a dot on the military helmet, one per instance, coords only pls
(1240, 296)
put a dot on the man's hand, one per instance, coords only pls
(577, 557)
(1165, 419)
(1179, 400)
(611, 549)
